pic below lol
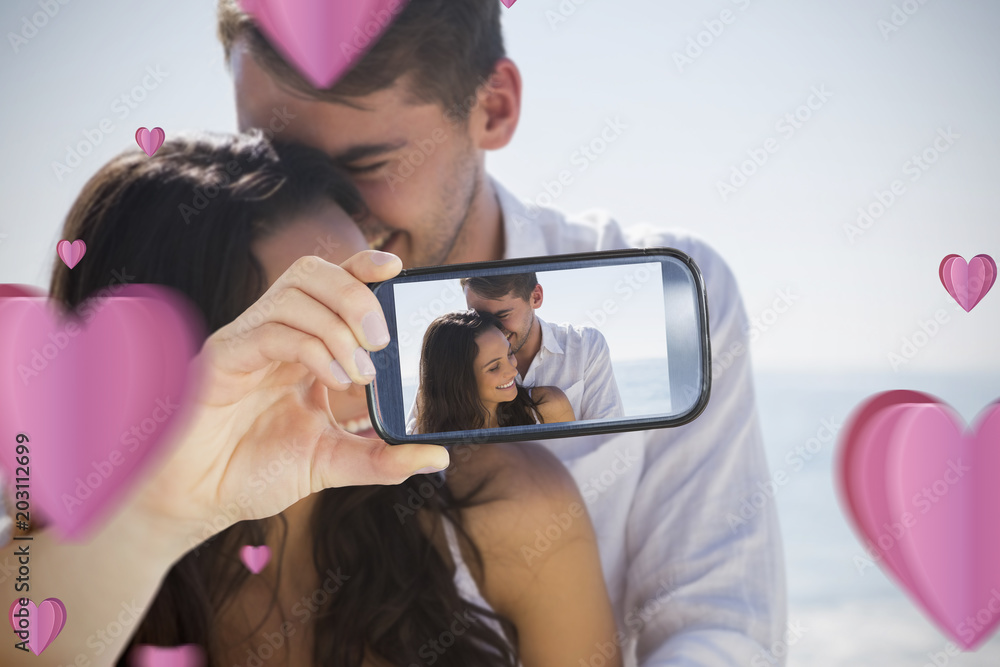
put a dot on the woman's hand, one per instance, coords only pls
(553, 405)
(261, 436)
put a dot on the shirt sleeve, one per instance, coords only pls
(706, 579)
(601, 398)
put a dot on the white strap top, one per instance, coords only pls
(537, 420)
(464, 581)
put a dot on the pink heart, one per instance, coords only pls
(185, 655)
(38, 624)
(71, 253)
(323, 39)
(20, 290)
(508, 3)
(968, 283)
(922, 492)
(149, 140)
(255, 558)
(97, 397)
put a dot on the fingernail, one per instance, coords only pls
(364, 362)
(426, 471)
(375, 328)
(380, 258)
(339, 372)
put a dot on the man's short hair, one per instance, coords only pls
(497, 287)
(449, 46)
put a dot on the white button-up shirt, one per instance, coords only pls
(691, 586)
(577, 360)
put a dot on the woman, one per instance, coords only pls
(467, 379)
(231, 222)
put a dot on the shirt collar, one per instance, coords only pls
(523, 235)
(549, 340)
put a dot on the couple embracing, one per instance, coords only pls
(470, 361)
(277, 265)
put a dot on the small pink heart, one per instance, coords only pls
(150, 140)
(255, 558)
(508, 3)
(71, 253)
(99, 396)
(968, 283)
(38, 624)
(185, 655)
(323, 39)
(921, 490)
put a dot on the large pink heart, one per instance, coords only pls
(185, 655)
(12, 289)
(922, 492)
(968, 283)
(323, 38)
(97, 397)
(38, 624)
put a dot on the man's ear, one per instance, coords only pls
(494, 118)
(536, 297)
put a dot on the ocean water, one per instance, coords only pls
(850, 615)
(642, 384)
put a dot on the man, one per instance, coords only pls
(575, 359)
(411, 123)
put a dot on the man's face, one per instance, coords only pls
(516, 314)
(328, 233)
(419, 216)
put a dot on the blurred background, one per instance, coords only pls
(774, 129)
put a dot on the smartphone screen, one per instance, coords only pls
(542, 347)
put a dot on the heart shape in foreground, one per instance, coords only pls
(185, 655)
(322, 39)
(255, 558)
(71, 253)
(40, 624)
(968, 283)
(921, 491)
(96, 396)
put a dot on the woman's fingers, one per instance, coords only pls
(372, 266)
(345, 459)
(300, 311)
(325, 301)
(274, 341)
(343, 290)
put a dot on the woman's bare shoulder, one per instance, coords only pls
(509, 472)
(548, 393)
(525, 487)
(553, 404)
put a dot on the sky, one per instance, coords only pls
(634, 330)
(762, 126)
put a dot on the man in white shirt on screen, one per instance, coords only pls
(575, 359)
(411, 123)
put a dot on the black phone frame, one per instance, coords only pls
(543, 431)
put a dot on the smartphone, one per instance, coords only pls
(542, 347)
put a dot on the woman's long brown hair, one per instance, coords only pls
(448, 394)
(186, 218)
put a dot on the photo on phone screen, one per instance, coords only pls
(553, 346)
